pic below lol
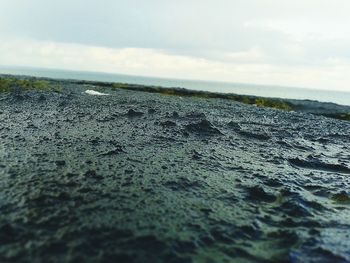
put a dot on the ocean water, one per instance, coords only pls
(338, 97)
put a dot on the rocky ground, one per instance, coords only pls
(139, 177)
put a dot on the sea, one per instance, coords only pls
(339, 97)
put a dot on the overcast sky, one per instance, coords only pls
(302, 43)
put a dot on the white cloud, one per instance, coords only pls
(254, 55)
(304, 29)
(294, 43)
(252, 66)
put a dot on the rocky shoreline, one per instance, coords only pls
(327, 109)
(135, 176)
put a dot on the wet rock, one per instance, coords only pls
(92, 174)
(222, 235)
(32, 126)
(95, 141)
(316, 164)
(196, 115)
(168, 124)
(175, 114)
(132, 113)
(182, 184)
(41, 98)
(184, 247)
(130, 191)
(255, 135)
(117, 150)
(295, 209)
(151, 111)
(204, 127)
(342, 197)
(234, 125)
(60, 162)
(128, 171)
(257, 193)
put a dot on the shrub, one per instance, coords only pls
(120, 86)
(18, 85)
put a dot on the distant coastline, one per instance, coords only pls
(19, 83)
(339, 97)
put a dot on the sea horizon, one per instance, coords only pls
(271, 91)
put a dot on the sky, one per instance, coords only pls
(300, 43)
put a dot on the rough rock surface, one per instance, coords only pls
(138, 177)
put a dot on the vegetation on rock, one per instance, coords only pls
(18, 85)
(261, 102)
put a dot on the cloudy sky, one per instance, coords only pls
(303, 43)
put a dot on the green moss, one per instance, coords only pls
(5, 85)
(261, 102)
(341, 197)
(41, 85)
(344, 116)
(168, 92)
(245, 100)
(339, 116)
(271, 103)
(18, 85)
(120, 86)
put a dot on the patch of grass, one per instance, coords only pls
(5, 85)
(120, 86)
(345, 116)
(18, 85)
(342, 197)
(261, 102)
(339, 116)
(271, 103)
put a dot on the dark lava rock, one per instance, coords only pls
(196, 155)
(175, 114)
(316, 164)
(195, 115)
(234, 125)
(131, 191)
(342, 197)
(168, 124)
(60, 162)
(41, 98)
(254, 135)
(204, 127)
(183, 184)
(151, 111)
(92, 174)
(132, 113)
(117, 150)
(257, 193)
